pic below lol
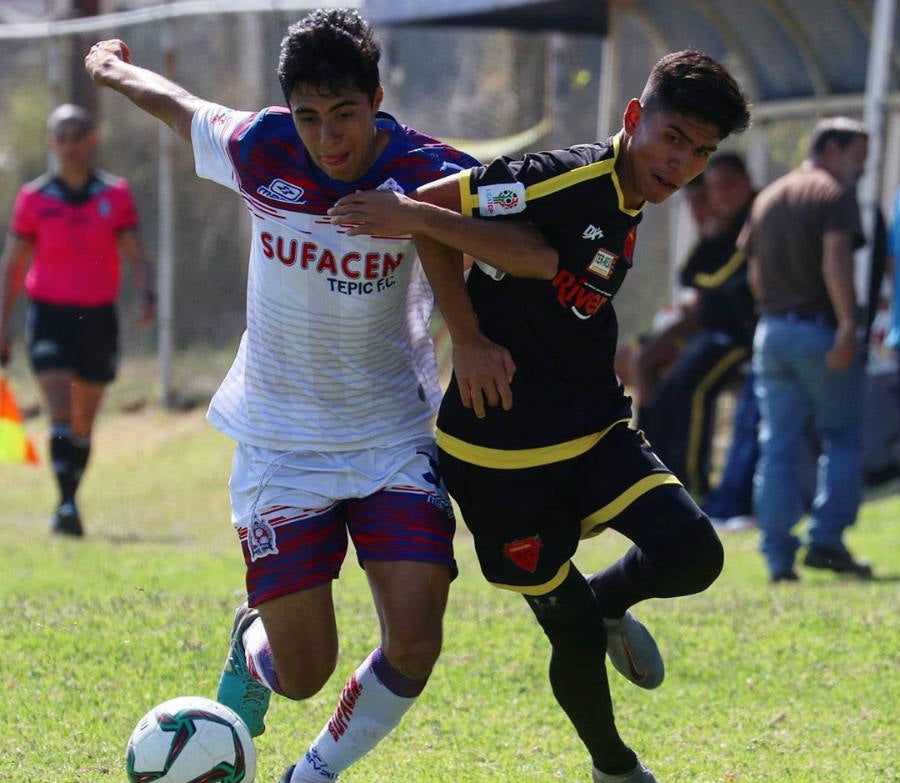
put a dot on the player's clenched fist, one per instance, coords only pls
(104, 55)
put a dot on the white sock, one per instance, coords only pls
(372, 703)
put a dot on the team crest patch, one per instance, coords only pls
(261, 538)
(391, 184)
(504, 199)
(524, 552)
(603, 264)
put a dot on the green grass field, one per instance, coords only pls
(782, 684)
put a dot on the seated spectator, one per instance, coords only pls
(641, 363)
(678, 414)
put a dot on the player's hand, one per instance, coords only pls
(484, 371)
(371, 212)
(102, 56)
(840, 357)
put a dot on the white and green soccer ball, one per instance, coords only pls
(191, 739)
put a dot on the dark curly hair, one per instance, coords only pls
(692, 83)
(331, 50)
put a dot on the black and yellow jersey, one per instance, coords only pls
(718, 270)
(562, 333)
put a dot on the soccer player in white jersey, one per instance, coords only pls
(332, 393)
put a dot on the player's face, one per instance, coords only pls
(72, 145)
(664, 151)
(338, 129)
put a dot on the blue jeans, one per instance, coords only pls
(733, 496)
(794, 386)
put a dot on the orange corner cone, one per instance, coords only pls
(14, 443)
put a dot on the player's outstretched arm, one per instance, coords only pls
(109, 64)
(518, 249)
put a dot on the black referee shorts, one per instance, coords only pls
(84, 340)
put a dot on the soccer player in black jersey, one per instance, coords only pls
(557, 461)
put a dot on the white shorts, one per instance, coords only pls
(314, 481)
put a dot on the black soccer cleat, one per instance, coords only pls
(66, 521)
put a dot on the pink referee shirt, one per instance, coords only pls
(76, 254)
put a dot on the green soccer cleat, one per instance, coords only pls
(640, 774)
(238, 689)
(633, 652)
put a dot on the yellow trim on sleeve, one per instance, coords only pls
(539, 589)
(559, 182)
(467, 202)
(512, 459)
(715, 279)
(606, 514)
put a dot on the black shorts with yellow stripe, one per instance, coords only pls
(527, 521)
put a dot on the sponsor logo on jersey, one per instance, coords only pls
(592, 233)
(504, 199)
(279, 190)
(391, 184)
(603, 263)
(261, 538)
(578, 295)
(524, 552)
(104, 208)
(348, 273)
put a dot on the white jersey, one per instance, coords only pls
(337, 353)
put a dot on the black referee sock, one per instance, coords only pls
(61, 457)
(80, 450)
(69, 454)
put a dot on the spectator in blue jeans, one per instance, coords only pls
(729, 504)
(893, 252)
(800, 238)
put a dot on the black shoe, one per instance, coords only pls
(286, 777)
(837, 559)
(66, 521)
(784, 576)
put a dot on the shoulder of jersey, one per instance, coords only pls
(38, 183)
(272, 123)
(419, 158)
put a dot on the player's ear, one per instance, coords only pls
(378, 98)
(632, 116)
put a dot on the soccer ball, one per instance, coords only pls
(191, 739)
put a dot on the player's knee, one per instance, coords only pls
(698, 562)
(569, 615)
(412, 653)
(300, 680)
